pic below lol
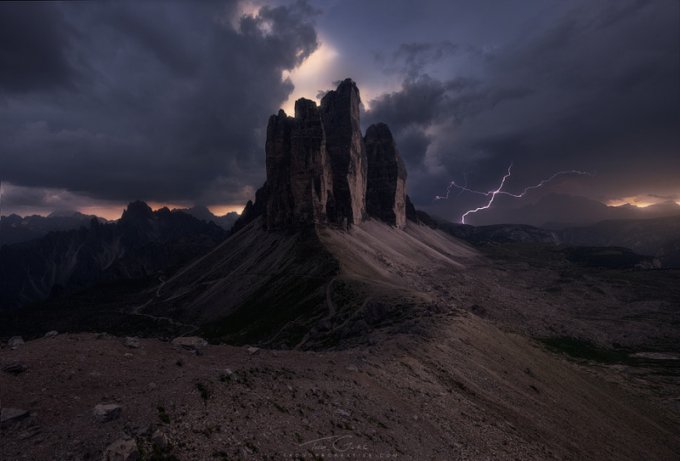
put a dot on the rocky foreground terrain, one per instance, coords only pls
(464, 390)
(450, 353)
(336, 322)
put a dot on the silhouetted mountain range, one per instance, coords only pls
(140, 244)
(204, 214)
(15, 229)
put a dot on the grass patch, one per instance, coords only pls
(203, 391)
(163, 415)
(585, 350)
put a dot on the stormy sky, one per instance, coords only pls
(102, 103)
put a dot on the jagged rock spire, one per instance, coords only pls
(319, 169)
(340, 115)
(385, 195)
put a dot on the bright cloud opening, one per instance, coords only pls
(316, 73)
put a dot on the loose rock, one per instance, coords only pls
(106, 412)
(342, 412)
(122, 450)
(190, 342)
(15, 368)
(51, 334)
(132, 343)
(15, 341)
(160, 440)
(10, 416)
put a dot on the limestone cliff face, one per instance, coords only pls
(278, 159)
(320, 170)
(340, 116)
(386, 182)
(310, 173)
(299, 178)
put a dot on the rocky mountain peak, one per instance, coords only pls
(319, 170)
(137, 211)
(340, 111)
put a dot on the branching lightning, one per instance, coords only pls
(499, 190)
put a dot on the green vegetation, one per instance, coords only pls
(585, 350)
(162, 415)
(203, 391)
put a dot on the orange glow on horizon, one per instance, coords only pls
(155, 206)
(638, 201)
(221, 210)
(113, 212)
(622, 202)
(109, 212)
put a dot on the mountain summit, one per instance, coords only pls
(321, 170)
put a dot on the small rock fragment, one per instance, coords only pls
(160, 440)
(122, 450)
(131, 342)
(351, 368)
(15, 341)
(106, 412)
(15, 368)
(9, 416)
(51, 334)
(253, 350)
(30, 432)
(342, 412)
(190, 342)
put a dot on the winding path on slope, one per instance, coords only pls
(136, 311)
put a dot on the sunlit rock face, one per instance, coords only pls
(319, 169)
(386, 184)
(340, 116)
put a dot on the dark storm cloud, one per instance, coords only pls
(159, 101)
(424, 102)
(409, 58)
(169, 101)
(33, 47)
(596, 88)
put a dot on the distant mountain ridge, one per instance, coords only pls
(140, 244)
(655, 237)
(204, 214)
(659, 237)
(15, 229)
(560, 210)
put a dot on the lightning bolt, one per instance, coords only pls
(499, 190)
(493, 195)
